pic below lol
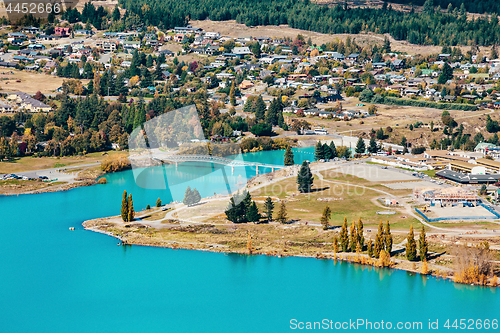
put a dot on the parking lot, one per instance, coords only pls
(376, 173)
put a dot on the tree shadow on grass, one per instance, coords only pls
(319, 189)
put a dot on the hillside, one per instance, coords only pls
(428, 27)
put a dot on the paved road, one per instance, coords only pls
(57, 173)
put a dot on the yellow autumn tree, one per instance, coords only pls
(384, 260)
(133, 80)
(249, 244)
(425, 268)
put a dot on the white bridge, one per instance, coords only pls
(214, 159)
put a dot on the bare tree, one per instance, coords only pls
(473, 264)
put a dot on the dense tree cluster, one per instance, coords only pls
(431, 26)
(473, 6)
(191, 197)
(89, 14)
(243, 209)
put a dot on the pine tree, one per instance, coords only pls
(422, 245)
(196, 196)
(360, 146)
(305, 178)
(344, 236)
(124, 211)
(282, 215)
(411, 246)
(268, 208)
(253, 213)
(333, 150)
(232, 94)
(273, 112)
(318, 151)
(289, 156)
(259, 108)
(158, 73)
(140, 117)
(327, 152)
(325, 218)
(149, 61)
(131, 212)
(158, 202)
(373, 148)
(354, 237)
(369, 248)
(387, 45)
(388, 238)
(188, 197)
(361, 237)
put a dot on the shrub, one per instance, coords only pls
(115, 164)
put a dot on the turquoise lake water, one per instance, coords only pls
(56, 280)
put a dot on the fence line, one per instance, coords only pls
(458, 218)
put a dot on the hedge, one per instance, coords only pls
(428, 104)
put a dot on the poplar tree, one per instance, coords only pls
(422, 245)
(249, 244)
(354, 237)
(305, 178)
(388, 238)
(97, 83)
(289, 156)
(369, 248)
(325, 218)
(379, 241)
(232, 94)
(377, 246)
(158, 202)
(411, 246)
(344, 237)
(335, 244)
(282, 215)
(124, 211)
(268, 209)
(131, 212)
(361, 237)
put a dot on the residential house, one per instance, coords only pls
(84, 32)
(6, 108)
(62, 31)
(28, 103)
(241, 51)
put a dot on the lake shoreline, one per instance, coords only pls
(141, 238)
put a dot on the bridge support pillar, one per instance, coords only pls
(232, 170)
(272, 169)
(256, 169)
(176, 165)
